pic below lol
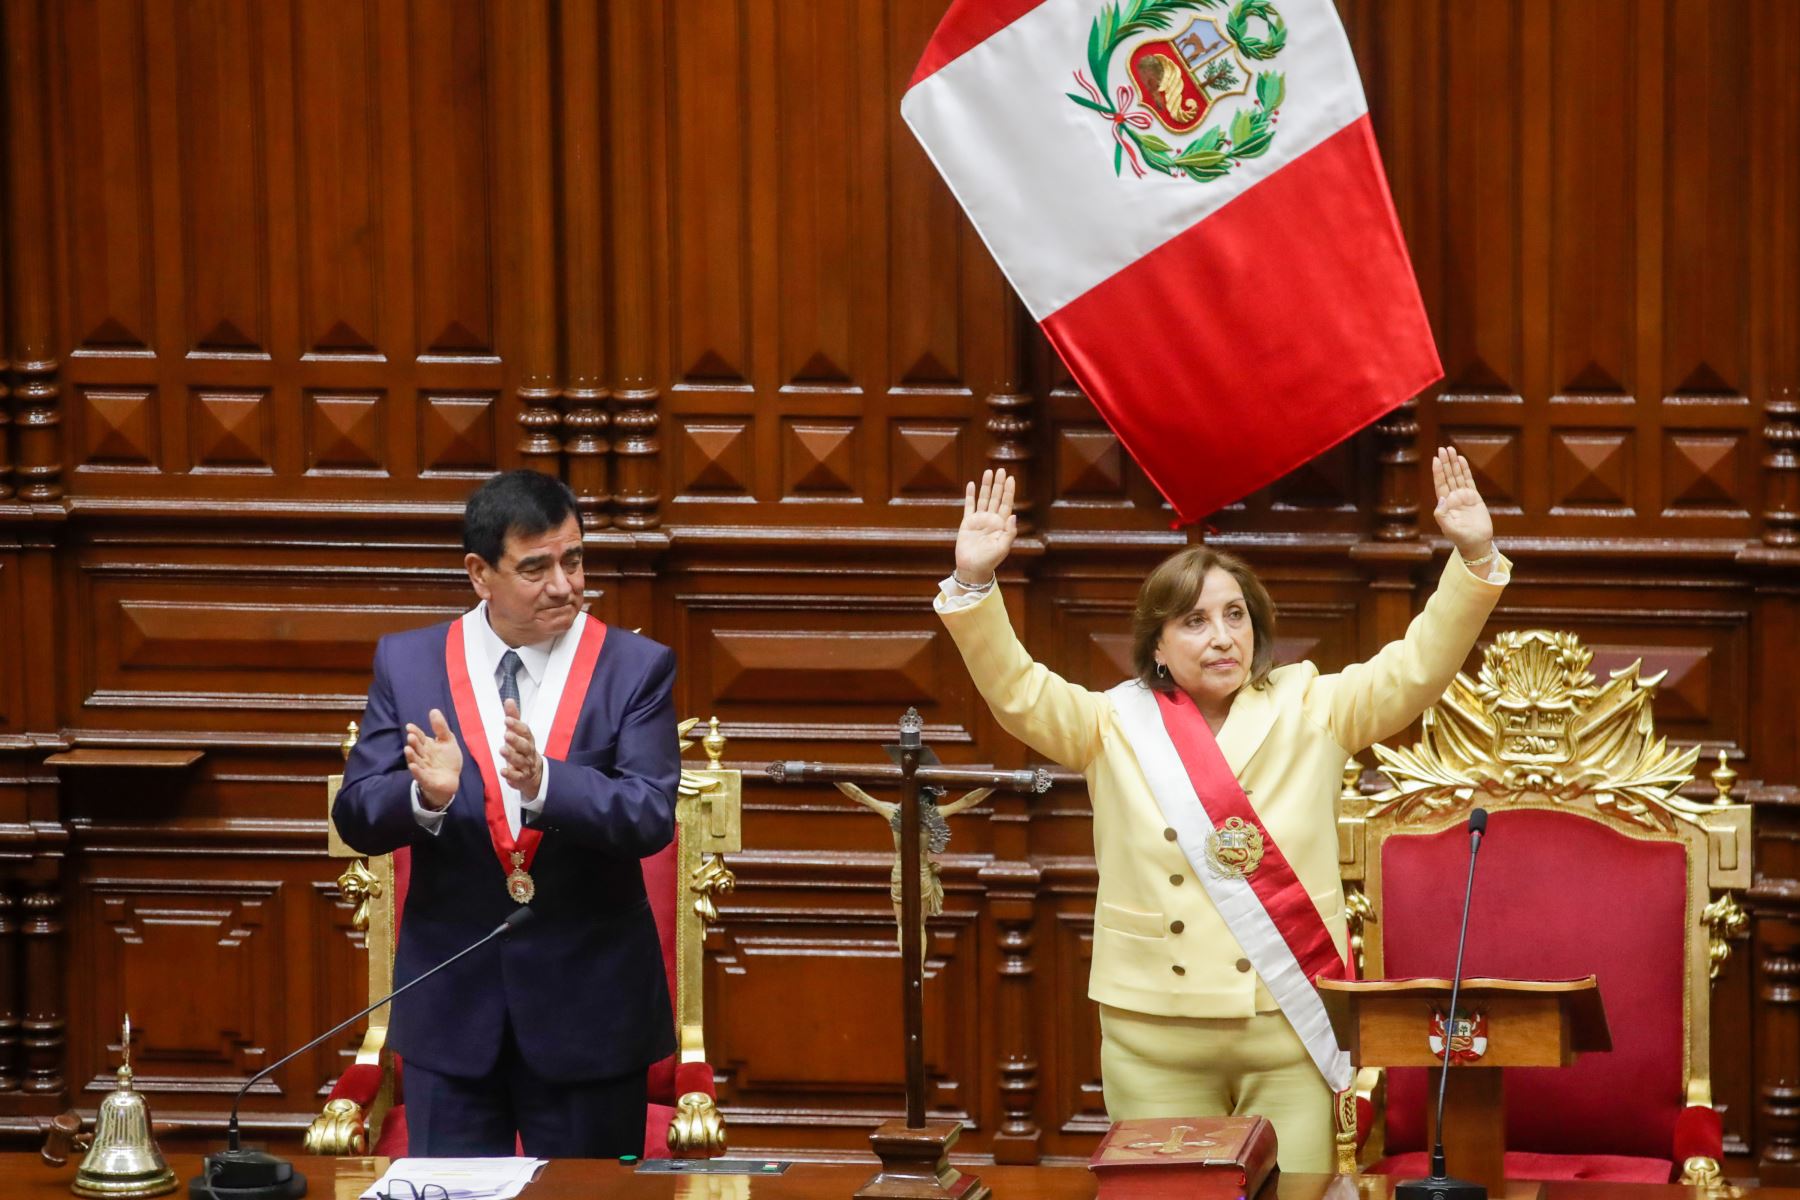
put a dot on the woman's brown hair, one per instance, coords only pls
(1172, 590)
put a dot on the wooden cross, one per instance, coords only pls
(911, 777)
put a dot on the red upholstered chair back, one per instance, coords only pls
(1557, 896)
(663, 887)
(1594, 864)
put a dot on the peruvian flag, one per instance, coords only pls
(1187, 196)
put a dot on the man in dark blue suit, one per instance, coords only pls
(527, 754)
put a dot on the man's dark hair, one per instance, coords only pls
(524, 503)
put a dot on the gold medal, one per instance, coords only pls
(519, 884)
(1235, 849)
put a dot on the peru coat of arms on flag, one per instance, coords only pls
(1187, 197)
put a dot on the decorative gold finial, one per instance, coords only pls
(349, 742)
(714, 743)
(1723, 777)
(1352, 789)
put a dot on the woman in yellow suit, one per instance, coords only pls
(1219, 899)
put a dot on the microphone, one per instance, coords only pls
(1441, 1185)
(239, 1174)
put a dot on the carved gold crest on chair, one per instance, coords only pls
(1535, 719)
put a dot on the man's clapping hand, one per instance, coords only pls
(435, 761)
(520, 763)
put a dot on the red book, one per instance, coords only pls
(1209, 1158)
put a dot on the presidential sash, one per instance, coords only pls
(1244, 872)
(482, 719)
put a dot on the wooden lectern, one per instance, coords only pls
(1505, 1023)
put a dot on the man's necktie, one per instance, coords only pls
(509, 679)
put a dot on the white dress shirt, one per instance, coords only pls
(534, 660)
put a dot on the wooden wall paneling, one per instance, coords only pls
(832, 968)
(1078, 1107)
(6, 417)
(581, 236)
(267, 956)
(1775, 946)
(466, 406)
(519, 33)
(37, 388)
(192, 641)
(109, 292)
(639, 132)
(348, 344)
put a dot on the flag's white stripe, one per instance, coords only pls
(1235, 899)
(1034, 170)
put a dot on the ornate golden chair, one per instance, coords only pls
(683, 881)
(1593, 864)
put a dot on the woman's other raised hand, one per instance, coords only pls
(988, 528)
(1461, 513)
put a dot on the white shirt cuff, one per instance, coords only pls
(535, 808)
(429, 819)
(953, 596)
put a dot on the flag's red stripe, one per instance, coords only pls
(1274, 881)
(1262, 336)
(965, 26)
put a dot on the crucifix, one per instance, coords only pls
(914, 1153)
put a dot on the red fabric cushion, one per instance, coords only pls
(657, 1119)
(694, 1077)
(1699, 1133)
(359, 1084)
(392, 1141)
(1557, 896)
(665, 893)
(402, 880)
(1610, 1168)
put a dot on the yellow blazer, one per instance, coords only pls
(1160, 946)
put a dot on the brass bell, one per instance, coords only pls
(124, 1159)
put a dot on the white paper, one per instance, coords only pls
(461, 1178)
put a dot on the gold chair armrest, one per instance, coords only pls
(698, 1130)
(342, 1129)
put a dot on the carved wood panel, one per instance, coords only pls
(279, 283)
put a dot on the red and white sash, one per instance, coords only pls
(554, 709)
(1269, 912)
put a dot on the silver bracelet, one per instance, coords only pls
(976, 588)
(1484, 560)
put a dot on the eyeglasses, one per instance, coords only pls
(431, 1191)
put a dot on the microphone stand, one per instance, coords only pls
(239, 1174)
(1441, 1185)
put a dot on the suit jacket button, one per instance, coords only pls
(1175, 879)
(1176, 927)
(1170, 835)
(1243, 964)
(1179, 969)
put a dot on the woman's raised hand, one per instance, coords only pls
(1461, 513)
(988, 528)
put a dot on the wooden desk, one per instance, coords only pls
(25, 1177)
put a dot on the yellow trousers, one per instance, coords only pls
(1154, 1066)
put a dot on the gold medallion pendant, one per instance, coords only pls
(1235, 849)
(519, 884)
